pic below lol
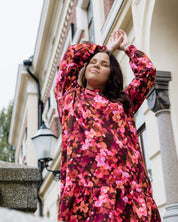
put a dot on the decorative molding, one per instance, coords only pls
(52, 64)
(158, 98)
(171, 213)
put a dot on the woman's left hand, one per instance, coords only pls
(118, 40)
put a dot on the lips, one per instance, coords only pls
(94, 71)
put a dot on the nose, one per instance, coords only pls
(96, 65)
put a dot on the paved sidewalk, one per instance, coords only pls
(8, 215)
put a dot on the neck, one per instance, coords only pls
(93, 88)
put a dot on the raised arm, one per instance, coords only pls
(145, 74)
(141, 65)
(72, 62)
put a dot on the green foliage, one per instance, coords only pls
(7, 152)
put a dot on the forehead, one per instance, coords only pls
(103, 56)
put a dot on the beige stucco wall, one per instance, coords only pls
(51, 200)
(164, 49)
(32, 121)
(24, 116)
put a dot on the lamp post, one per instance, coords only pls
(44, 143)
(44, 139)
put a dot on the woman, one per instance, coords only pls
(103, 176)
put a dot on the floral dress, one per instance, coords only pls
(103, 176)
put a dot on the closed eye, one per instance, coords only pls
(93, 61)
(105, 64)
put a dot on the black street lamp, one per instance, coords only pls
(44, 140)
(44, 144)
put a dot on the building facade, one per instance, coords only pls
(151, 26)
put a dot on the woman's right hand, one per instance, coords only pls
(118, 40)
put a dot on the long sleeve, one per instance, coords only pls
(72, 62)
(145, 74)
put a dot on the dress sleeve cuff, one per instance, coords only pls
(130, 50)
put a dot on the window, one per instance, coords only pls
(142, 140)
(90, 23)
(49, 103)
(84, 31)
(107, 6)
(72, 27)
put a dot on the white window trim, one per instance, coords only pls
(111, 18)
(82, 24)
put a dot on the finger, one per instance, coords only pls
(111, 37)
(121, 39)
(119, 31)
(124, 33)
(115, 32)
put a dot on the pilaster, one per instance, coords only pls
(158, 102)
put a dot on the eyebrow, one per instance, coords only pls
(105, 61)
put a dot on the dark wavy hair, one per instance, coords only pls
(114, 87)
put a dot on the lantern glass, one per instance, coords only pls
(44, 143)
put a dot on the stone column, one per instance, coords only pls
(158, 102)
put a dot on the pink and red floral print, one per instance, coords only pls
(103, 176)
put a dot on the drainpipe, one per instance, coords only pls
(27, 64)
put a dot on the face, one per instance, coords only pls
(98, 71)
